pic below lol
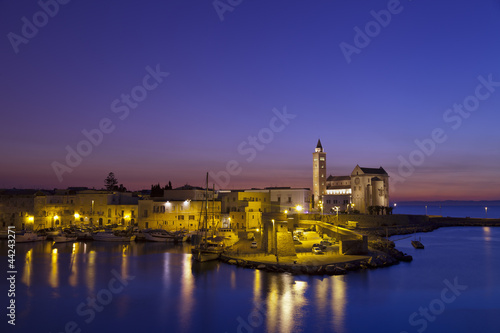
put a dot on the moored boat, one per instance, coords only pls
(110, 236)
(26, 236)
(417, 244)
(159, 235)
(65, 238)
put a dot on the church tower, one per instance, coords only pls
(319, 173)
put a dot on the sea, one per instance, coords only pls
(453, 285)
(450, 209)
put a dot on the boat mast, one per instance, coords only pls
(206, 209)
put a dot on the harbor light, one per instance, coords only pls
(486, 211)
(127, 217)
(77, 216)
(31, 218)
(56, 217)
(298, 208)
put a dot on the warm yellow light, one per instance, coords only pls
(229, 219)
(286, 212)
(31, 218)
(56, 217)
(257, 229)
(127, 216)
(77, 216)
(298, 208)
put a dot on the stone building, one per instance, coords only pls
(363, 188)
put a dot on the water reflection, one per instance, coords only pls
(187, 300)
(54, 274)
(338, 293)
(28, 266)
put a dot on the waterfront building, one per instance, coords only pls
(17, 208)
(176, 215)
(288, 198)
(362, 189)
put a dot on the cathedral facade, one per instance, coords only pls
(362, 189)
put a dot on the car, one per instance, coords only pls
(295, 238)
(326, 243)
(253, 245)
(317, 250)
(321, 246)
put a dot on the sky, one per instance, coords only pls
(170, 90)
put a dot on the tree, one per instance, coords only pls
(110, 182)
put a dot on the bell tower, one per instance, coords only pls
(319, 173)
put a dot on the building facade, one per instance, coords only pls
(362, 189)
(319, 175)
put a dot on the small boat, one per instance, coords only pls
(41, 235)
(52, 232)
(159, 235)
(65, 238)
(207, 251)
(417, 244)
(112, 236)
(83, 234)
(25, 236)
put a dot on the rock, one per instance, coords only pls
(339, 271)
(261, 266)
(241, 262)
(232, 262)
(330, 269)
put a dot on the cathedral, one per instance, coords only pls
(363, 188)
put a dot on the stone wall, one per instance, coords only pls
(285, 244)
(354, 246)
(370, 221)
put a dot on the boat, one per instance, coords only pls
(52, 232)
(83, 234)
(64, 238)
(25, 236)
(417, 244)
(113, 236)
(41, 235)
(159, 235)
(208, 249)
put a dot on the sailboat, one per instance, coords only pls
(416, 243)
(209, 248)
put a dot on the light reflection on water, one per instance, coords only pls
(167, 291)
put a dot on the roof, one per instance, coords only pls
(189, 187)
(379, 171)
(337, 178)
(319, 144)
(338, 187)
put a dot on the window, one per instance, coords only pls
(289, 199)
(180, 217)
(145, 214)
(191, 217)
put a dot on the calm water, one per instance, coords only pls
(477, 211)
(147, 287)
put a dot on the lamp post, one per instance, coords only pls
(425, 209)
(298, 208)
(275, 242)
(337, 210)
(486, 211)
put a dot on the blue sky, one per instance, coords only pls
(225, 78)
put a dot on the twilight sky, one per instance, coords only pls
(168, 90)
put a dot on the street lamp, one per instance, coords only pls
(275, 241)
(486, 211)
(425, 209)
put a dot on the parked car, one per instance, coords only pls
(321, 246)
(253, 245)
(326, 243)
(317, 250)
